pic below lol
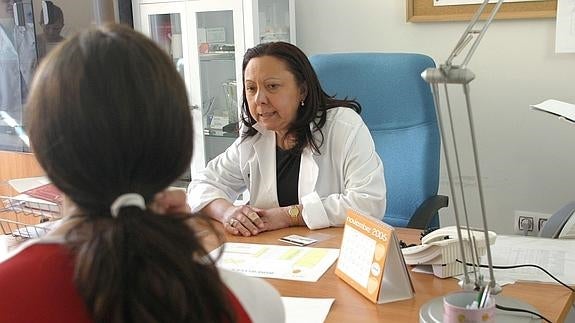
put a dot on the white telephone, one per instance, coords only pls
(441, 249)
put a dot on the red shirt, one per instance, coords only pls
(36, 285)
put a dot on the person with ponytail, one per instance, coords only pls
(109, 123)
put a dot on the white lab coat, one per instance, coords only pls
(348, 174)
(17, 62)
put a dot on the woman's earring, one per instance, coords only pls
(302, 103)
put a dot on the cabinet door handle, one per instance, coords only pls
(195, 107)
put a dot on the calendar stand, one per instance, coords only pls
(370, 260)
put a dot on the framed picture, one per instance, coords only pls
(425, 11)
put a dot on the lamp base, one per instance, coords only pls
(432, 311)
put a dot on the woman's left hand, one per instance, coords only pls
(275, 218)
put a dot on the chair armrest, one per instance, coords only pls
(425, 212)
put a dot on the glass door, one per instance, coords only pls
(269, 20)
(275, 20)
(165, 23)
(217, 51)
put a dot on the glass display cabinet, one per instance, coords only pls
(23, 42)
(207, 40)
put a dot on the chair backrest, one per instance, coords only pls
(398, 108)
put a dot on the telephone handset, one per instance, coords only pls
(443, 236)
(441, 249)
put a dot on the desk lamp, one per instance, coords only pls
(449, 73)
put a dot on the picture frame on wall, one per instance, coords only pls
(426, 11)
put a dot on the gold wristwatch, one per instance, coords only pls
(293, 212)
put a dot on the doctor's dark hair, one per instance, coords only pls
(108, 114)
(316, 102)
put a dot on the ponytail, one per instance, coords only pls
(146, 267)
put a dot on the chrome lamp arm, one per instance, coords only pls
(448, 73)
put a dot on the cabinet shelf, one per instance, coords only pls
(217, 56)
(219, 133)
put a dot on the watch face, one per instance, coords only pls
(293, 211)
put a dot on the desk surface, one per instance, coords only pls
(550, 299)
(16, 165)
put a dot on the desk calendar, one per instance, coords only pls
(370, 260)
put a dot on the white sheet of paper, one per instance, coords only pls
(25, 184)
(7, 244)
(273, 261)
(35, 231)
(558, 108)
(306, 310)
(557, 256)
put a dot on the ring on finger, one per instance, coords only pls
(233, 222)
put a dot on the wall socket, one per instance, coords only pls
(532, 222)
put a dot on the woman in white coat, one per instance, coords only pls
(305, 157)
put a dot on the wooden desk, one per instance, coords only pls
(16, 165)
(553, 301)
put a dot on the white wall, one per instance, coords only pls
(527, 159)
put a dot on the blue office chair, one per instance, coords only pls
(398, 108)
